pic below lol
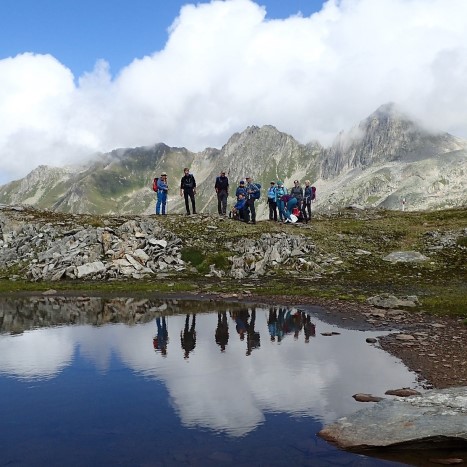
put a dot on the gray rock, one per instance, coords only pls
(391, 301)
(405, 257)
(90, 269)
(435, 417)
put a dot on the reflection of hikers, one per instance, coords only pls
(188, 336)
(222, 330)
(241, 321)
(272, 324)
(253, 338)
(162, 338)
(309, 328)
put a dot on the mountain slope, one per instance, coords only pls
(387, 158)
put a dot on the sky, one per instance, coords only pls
(82, 77)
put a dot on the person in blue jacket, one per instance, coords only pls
(272, 203)
(280, 192)
(241, 189)
(162, 189)
(239, 209)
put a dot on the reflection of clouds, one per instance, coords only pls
(226, 391)
(37, 354)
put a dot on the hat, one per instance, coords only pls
(242, 182)
(163, 173)
(279, 182)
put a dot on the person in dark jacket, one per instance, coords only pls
(251, 189)
(222, 190)
(188, 190)
(308, 198)
(297, 192)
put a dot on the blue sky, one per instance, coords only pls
(79, 77)
(79, 32)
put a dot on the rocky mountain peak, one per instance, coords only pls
(387, 135)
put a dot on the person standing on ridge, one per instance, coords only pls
(162, 189)
(252, 190)
(188, 190)
(272, 202)
(222, 190)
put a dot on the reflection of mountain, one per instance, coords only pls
(226, 391)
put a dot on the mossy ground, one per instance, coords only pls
(440, 283)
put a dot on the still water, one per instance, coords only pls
(97, 382)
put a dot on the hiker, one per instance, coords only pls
(188, 190)
(309, 197)
(238, 212)
(241, 189)
(289, 203)
(297, 192)
(222, 190)
(162, 189)
(280, 192)
(272, 202)
(252, 190)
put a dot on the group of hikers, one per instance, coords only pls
(280, 323)
(288, 206)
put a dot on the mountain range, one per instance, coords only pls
(387, 160)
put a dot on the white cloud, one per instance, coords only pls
(225, 67)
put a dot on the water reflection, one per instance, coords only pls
(274, 362)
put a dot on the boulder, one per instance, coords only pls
(436, 418)
(405, 257)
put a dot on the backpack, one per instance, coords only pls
(189, 184)
(256, 194)
(154, 184)
(313, 192)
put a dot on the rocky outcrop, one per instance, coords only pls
(435, 418)
(47, 246)
(52, 251)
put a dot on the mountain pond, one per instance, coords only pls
(164, 382)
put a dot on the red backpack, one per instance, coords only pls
(154, 184)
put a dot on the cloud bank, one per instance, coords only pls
(225, 67)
